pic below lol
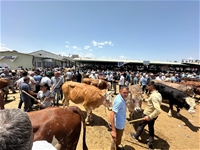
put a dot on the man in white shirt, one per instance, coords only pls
(93, 75)
(47, 80)
(69, 75)
(159, 77)
(121, 80)
(109, 78)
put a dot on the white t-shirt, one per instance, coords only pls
(93, 76)
(68, 75)
(42, 95)
(109, 77)
(42, 145)
(158, 78)
(121, 81)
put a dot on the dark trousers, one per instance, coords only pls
(144, 89)
(141, 126)
(20, 103)
(115, 87)
(118, 139)
(27, 105)
(37, 88)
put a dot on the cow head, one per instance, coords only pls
(189, 90)
(134, 102)
(191, 102)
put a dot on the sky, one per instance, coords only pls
(126, 30)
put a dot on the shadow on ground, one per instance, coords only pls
(182, 118)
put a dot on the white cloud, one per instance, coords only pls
(67, 46)
(4, 48)
(94, 43)
(107, 57)
(83, 55)
(190, 58)
(90, 55)
(101, 44)
(67, 42)
(110, 43)
(90, 50)
(123, 57)
(74, 47)
(86, 47)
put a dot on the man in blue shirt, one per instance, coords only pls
(23, 96)
(118, 117)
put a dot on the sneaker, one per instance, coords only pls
(133, 136)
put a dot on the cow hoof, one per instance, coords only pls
(170, 115)
(87, 122)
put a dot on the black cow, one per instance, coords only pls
(176, 97)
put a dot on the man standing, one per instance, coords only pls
(118, 117)
(121, 80)
(56, 82)
(151, 113)
(23, 96)
(109, 78)
(144, 83)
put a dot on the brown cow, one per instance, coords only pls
(101, 84)
(4, 88)
(58, 122)
(89, 95)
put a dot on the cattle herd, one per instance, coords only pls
(65, 123)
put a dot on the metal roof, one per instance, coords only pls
(128, 61)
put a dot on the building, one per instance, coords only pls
(42, 58)
(134, 65)
(14, 59)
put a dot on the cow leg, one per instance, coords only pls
(178, 112)
(170, 109)
(65, 102)
(89, 115)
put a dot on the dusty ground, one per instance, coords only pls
(170, 133)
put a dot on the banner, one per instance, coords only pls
(11, 58)
(121, 64)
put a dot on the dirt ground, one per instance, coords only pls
(170, 133)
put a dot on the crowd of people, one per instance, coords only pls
(38, 82)
(43, 88)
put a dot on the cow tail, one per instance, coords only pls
(80, 113)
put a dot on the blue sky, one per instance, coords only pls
(136, 30)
